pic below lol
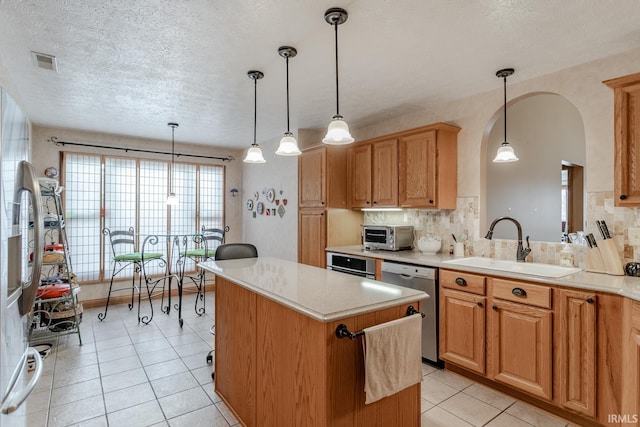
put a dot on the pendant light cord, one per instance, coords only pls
(335, 24)
(173, 130)
(287, 59)
(505, 108)
(255, 108)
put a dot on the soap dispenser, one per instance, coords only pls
(566, 256)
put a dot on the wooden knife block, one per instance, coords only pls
(604, 259)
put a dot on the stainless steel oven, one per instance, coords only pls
(357, 266)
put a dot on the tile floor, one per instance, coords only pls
(129, 374)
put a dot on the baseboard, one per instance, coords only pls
(122, 299)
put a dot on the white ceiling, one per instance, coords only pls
(130, 66)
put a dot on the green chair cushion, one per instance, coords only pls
(201, 252)
(137, 256)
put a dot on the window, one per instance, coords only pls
(118, 193)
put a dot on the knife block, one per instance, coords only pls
(604, 259)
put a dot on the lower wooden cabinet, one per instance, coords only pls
(521, 347)
(462, 331)
(576, 350)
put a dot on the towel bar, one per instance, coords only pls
(343, 332)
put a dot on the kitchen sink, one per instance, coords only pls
(532, 268)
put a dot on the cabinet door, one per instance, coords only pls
(462, 329)
(360, 176)
(576, 344)
(385, 174)
(520, 347)
(312, 237)
(417, 170)
(312, 178)
(627, 139)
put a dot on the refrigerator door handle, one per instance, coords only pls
(28, 181)
(13, 400)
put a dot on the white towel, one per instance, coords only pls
(392, 357)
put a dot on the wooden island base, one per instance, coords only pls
(277, 367)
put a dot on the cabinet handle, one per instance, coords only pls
(322, 203)
(430, 201)
(375, 203)
(367, 202)
(623, 196)
(460, 281)
(519, 292)
(479, 304)
(590, 300)
(495, 307)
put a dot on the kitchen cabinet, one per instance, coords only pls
(631, 390)
(373, 174)
(323, 217)
(576, 350)
(626, 107)
(428, 172)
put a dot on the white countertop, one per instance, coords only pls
(321, 294)
(626, 286)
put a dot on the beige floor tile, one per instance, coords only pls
(435, 391)
(184, 402)
(153, 345)
(164, 369)
(180, 340)
(209, 389)
(425, 405)
(490, 396)
(194, 348)
(471, 410)
(173, 384)
(535, 416)
(116, 353)
(128, 397)
(38, 401)
(208, 416)
(94, 422)
(120, 365)
(226, 412)
(195, 361)
(427, 369)
(451, 379)
(506, 420)
(76, 412)
(142, 415)
(74, 376)
(158, 356)
(75, 392)
(123, 380)
(438, 417)
(203, 374)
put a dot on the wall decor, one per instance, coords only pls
(281, 210)
(249, 204)
(271, 194)
(260, 208)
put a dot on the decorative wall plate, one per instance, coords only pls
(256, 195)
(249, 205)
(260, 208)
(281, 210)
(271, 195)
(51, 172)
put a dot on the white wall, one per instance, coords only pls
(273, 235)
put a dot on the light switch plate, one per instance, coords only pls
(634, 236)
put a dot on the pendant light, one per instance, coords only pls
(505, 152)
(172, 199)
(338, 131)
(288, 144)
(254, 155)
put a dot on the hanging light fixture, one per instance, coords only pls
(254, 155)
(338, 131)
(172, 199)
(505, 152)
(288, 144)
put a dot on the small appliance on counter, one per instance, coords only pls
(387, 237)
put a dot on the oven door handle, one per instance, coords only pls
(349, 271)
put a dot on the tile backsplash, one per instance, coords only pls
(465, 220)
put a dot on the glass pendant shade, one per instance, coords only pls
(254, 155)
(505, 154)
(338, 132)
(172, 199)
(288, 146)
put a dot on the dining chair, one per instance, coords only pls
(124, 256)
(231, 251)
(206, 244)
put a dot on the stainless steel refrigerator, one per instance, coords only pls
(20, 235)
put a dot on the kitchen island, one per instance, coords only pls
(278, 361)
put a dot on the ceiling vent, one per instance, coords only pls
(47, 62)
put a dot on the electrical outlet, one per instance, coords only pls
(634, 236)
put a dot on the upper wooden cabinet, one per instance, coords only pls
(416, 168)
(627, 139)
(428, 166)
(373, 174)
(322, 177)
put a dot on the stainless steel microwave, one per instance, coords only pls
(387, 237)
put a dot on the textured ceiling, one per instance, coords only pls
(130, 66)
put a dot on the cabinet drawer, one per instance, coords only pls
(460, 281)
(526, 293)
(635, 315)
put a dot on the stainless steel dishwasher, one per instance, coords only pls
(422, 279)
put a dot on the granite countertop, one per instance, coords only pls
(321, 294)
(626, 286)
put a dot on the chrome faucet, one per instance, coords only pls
(522, 252)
